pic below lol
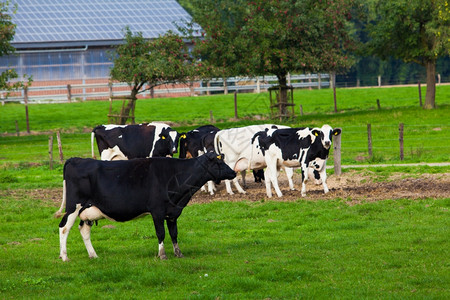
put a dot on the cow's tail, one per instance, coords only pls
(59, 213)
(92, 144)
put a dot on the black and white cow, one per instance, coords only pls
(295, 147)
(240, 155)
(124, 190)
(192, 143)
(119, 142)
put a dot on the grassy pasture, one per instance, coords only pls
(426, 131)
(235, 250)
(322, 249)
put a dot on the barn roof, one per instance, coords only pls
(68, 23)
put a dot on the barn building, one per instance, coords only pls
(68, 42)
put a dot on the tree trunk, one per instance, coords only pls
(283, 95)
(430, 98)
(125, 114)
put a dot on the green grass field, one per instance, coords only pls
(241, 250)
(426, 131)
(389, 249)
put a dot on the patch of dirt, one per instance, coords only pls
(353, 186)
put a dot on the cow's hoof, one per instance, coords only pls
(163, 257)
(64, 258)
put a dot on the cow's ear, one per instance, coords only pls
(315, 132)
(336, 131)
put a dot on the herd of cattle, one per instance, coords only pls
(137, 174)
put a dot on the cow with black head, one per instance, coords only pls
(295, 147)
(127, 189)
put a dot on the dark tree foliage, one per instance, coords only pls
(274, 37)
(412, 30)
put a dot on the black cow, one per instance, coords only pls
(295, 147)
(125, 190)
(119, 142)
(197, 141)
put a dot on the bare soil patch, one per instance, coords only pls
(353, 186)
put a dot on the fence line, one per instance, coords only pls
(394, 151)
(83, 91)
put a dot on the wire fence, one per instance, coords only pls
(427, 142)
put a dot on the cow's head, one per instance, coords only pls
(183, 145)
(217, 168)
(163, 145)
(325, 134)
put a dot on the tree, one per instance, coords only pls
(7, 31)
(414, 31)
(146, 64)
(274, 37)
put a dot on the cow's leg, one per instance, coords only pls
(238, 186)
(268, 182)
(290, 175)
(85, 230)
(304, 169)
(323, 177)
(64, 228)
(271, 174)
(160, 234)
(228, 187)
(211, 187)
(244, 183)
(173, 231)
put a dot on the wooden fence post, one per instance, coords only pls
(319, 81)
(369, 138)
(58, 138)
(333, 79)
(378, 104)
(379, 80)
(208, 85)
(50, 151)
(110, 87)
(69, 93)
(225, 86)
(211, 118)
(301, 110)
(400, 129)
(420, 94)
(235, 105)
(25, 98)
(17, 128)
(337, 154)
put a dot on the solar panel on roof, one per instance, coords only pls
(93, 20)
